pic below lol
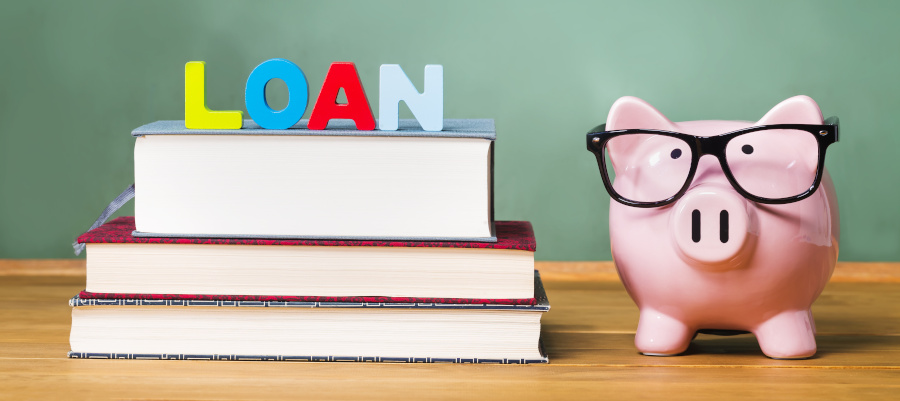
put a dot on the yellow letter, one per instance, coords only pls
(196, 115)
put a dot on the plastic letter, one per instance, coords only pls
(427, 107)
(255, 94)
(196, 115)
(342, 75)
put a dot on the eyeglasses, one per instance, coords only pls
(773, 164)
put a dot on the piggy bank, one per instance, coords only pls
(721, 226)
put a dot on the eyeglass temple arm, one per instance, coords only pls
(598, 129)
(833, 120)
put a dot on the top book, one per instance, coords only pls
(338, 183)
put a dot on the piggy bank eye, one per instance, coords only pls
(676, 153)
(747, 149)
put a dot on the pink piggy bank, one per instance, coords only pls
(721, 225)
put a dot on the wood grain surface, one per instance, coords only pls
(588, 335)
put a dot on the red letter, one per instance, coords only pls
(342, 75)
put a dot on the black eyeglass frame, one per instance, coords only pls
(825, 135)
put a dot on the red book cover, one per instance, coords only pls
(511, 235)
(284, 298)
(539, 300)
(516, 235)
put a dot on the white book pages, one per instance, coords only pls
(306, 331)
(310, 270)
(313, 186)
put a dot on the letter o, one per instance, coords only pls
(255, 94)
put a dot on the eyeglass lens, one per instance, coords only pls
(647, 167)
(774, 163)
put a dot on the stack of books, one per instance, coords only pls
(332, 245)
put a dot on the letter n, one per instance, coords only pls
(427, 107)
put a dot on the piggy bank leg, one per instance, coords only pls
(661, 335)
(788, 335)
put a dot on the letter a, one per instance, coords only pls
(196, 115)
(427, 107)
(342, 75)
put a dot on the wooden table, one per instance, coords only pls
(588, 335)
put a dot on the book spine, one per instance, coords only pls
(300, 358)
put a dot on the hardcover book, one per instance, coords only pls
(120, 265)
(308, 331)
(338, 183)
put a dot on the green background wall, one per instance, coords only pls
(77, 77)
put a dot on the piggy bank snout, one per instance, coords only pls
(710, 226)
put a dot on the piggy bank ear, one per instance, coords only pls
(796, 110)
(630, 112)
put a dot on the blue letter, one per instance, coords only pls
(255, 94)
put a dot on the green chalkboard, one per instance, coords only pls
(77, 77)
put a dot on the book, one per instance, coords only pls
(338, 183)
(308, 331)
(121, 263)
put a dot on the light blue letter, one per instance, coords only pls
(427, 107)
